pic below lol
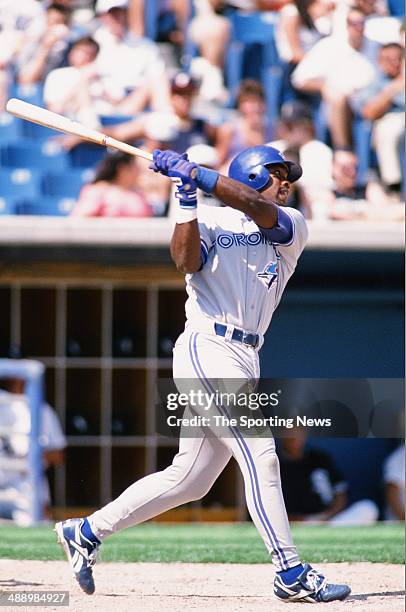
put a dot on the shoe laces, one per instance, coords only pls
(92, 558)
(316, 581)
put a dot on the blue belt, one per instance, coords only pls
(238, 334)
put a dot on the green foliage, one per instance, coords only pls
(216, 543)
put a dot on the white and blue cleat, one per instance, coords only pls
(310, 587)
(81, 552)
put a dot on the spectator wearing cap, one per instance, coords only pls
(336, 68)
(383, 103)
(189, 129)
(250, 128)
(159, 132)
(49, 48)
(113, 192)
(129, 60)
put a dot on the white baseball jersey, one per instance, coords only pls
(244, 273)
(241, 283)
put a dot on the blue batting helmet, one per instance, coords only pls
(251, 166)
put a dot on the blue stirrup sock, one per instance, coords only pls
(88, 533)
(290, 575)
(206, 179)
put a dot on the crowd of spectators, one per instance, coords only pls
(340, 62)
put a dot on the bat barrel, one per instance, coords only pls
(37, 114)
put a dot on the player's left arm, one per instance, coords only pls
(230, 192)
(244, 198)
(276, 223)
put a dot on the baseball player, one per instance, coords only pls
(237, 260)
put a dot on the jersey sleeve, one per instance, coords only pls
(294, 241)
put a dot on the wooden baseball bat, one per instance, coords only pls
(37, 114)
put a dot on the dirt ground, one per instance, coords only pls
(180, 587)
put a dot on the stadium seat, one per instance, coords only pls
(320, 122)
(19, 182)
(273, 86)
(10, 128)
(65, 184)
(45, 155)
(36, 131)
(30, 92)
(253, 35)
(396, 8)
(190, 49)
(46, 206)
(8, 205)
(114, 119)
(86, 155)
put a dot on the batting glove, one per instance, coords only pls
(183, 174)
(164, 159)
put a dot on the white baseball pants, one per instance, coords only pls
(201, 459)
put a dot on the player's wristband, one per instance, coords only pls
(184, 215)
(206, 179)
(187, 199)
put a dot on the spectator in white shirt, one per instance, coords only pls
(16, 23)
(71, 90)
(335, 69)
(131, 61)
(383, 103)
(15, 419)
(49, 48)
(81, 92)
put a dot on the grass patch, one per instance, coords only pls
(216, 543)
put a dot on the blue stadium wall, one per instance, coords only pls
(342, 316)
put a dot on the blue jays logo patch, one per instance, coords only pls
(269, 276)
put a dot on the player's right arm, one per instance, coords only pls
(185, 247)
